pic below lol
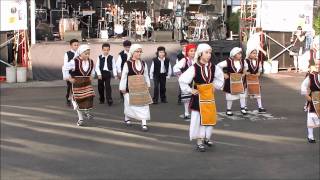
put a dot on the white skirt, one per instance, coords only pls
(312, 120)
(232, 97)
(197, 131)
(136, 112)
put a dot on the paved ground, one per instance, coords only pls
(39, 139)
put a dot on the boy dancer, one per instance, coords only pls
(160, 71)
(122, 58)
(68, 56)
(105, 69)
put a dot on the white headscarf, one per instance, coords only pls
(133, 48)
(82, 48)
(249, 51)
(235, 51)
(200, 49)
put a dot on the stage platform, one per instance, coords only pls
(47, 56)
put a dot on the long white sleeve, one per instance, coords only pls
(114, 67)
(218, 80)
(169, 71)
(305, 86)
(67, 67)
(178, 66)
(118, 64)
(151, 70)
(97, 68)
(222, 64)
(146, 75)
(185, 79)
(93, 72)
(124, 76)
(65, 58)
(65, 61)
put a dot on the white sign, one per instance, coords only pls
(284, 15)
(195, 1)
(13, 15)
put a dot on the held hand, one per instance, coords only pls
(308, 98)
(100, 77)
(123, 92)
(91, 78)
(226, 76)
(194, 91)
(72, 80)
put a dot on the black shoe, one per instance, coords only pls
(164, 101)
(262, 110)
(243, 111)
(110, 102)
(208, 142)
(155, 102)
(201, 148)
(187, 117)
(101, 102)
(229, 112)
(68, 102)
(179, 102)
(311, 140)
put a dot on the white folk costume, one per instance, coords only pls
(179, 68)
(81, 68)
(200, 74)
(254, 68)
(239, 67)
(130, 68)
(68, 56)
(309, 86)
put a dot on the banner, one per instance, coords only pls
(13, 15)
(284, 15)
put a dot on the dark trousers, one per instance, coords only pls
(69, 86)
(104, 85)
(159, 80)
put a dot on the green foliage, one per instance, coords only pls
(316, 23)
(233, 22)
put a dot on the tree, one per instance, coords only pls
(233, 22)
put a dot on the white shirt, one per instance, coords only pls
(119, 61)
(186, 78)
(65, 61)
(124, 75)
(66, 58)
(180, 64)
(305, 86)
(71, 66)
(105, 67)
(237, 65)
(162, 69)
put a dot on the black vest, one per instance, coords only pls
(157, 66)
(78, 71)
(70, 55)
(232, 69)
(201, 78)
(180, 55)
(132, 70)
(314, 86)
(102, 62)
(124, 57)
(251, 68)
(185, 67)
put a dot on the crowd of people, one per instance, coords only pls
(198, 77)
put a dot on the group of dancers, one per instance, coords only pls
(198, 77)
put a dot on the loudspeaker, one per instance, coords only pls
(68, 35)
(162, 36)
